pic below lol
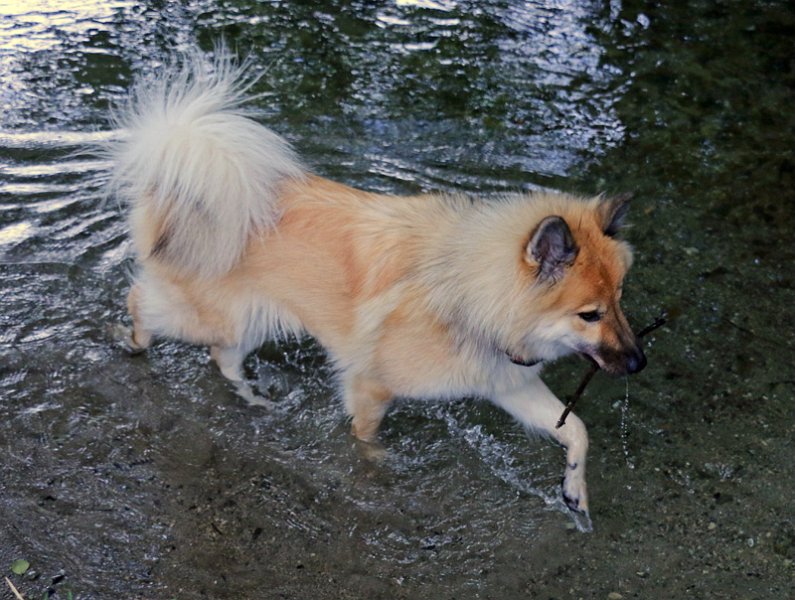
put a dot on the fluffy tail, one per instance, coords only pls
(200, 175)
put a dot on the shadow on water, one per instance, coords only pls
(146, 477)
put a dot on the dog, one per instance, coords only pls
(435, 296)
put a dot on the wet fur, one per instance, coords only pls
(424, 297)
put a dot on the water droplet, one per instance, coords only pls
(625, 427)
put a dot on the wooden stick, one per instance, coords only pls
(658, 322)
(14, 590)
(576, 395)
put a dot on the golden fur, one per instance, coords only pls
(431, 296)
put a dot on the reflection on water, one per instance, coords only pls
(35, 25)
(15, 233)
(527, 81)
(147, 477)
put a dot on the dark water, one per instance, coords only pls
(146, 477)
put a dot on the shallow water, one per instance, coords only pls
(146, 477)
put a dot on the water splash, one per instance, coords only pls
(624, 406)
(500, 460)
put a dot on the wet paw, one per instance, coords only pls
(123, 337)
(252, 397)
(371, 451)
(575, 493)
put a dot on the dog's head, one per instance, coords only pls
(578, 266)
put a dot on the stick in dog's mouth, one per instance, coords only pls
(658, 322)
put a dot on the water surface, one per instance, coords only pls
(146, 477)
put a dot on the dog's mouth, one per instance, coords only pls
(598, 362)
(614, 362)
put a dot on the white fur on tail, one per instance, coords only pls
(193, 160)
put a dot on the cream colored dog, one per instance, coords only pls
(432, 296)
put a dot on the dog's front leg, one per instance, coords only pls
(535, 406)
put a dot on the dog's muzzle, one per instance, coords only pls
(620, 362)
(636, 362)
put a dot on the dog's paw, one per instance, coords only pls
(122, 335)
(252, 397)
(372, 451)
(575, 492)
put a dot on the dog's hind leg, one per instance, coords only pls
(230, 361)
(140, 337)
(535, 406)
(367, 401)
(134, 339)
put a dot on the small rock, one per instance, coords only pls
(712, 526)
(614, 596)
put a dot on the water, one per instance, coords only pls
(146, 477)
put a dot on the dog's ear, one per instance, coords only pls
(552, 247)
(612, 213)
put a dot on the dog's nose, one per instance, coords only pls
(636, 361)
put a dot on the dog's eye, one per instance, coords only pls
(591, 316)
